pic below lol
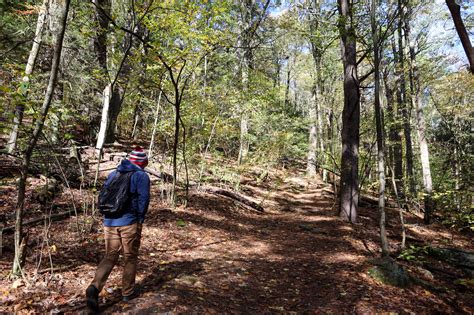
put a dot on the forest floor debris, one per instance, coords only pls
(215, 256)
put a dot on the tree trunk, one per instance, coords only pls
(421, 129)
(20, 108)
(248, 27)
(455, 10)
(379, 128)
(349, 181)
(114, 111)
(114, 70)
(316, 120)
(244, 118)
(59, 36)
(395, 128)
(155, 123)
(425, 163)
(313, 138)
(175, 150)
(405, 106)
(102, 7)
(287, 85)
(104, 121)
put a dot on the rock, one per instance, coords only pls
(387, 271)
(17, 283)
(461, 259)
(425, 273)
(309, 228)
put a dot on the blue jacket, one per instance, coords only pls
(140, 196)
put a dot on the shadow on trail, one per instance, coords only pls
(296, 257)
(274, 262)
(153, 282)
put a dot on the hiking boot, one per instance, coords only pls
(135, 293)
(92, 296)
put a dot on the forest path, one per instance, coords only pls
(216, 257)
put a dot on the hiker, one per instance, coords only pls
(129, 185)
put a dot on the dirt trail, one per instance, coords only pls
(297, 257)
(218, 257)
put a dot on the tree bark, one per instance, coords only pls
(315, 129)
(379, 127)
(313, 139)
(115, 107)
(20, 108)
(102, 7)
(395, 129)
(455, 10)
(251, 16)
(421, 128)
(59, 37)
(104, 121)
(113, 70)
(349, 182)
(155, 124)
(234, 195)
(404, 105)
(244, 118)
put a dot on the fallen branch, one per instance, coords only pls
(161, 175)
(60, 268)
(54, 217)
(235, 196)
(168, 178)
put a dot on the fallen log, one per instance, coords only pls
(53, 217)
(167, 178)
(235, 196)
(161, 175)
(459, 258)
(120, 155)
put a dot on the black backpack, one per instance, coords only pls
(114, 197)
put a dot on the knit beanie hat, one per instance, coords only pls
(138, 157)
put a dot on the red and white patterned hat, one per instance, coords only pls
(138, 157)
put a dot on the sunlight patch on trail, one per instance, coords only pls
(339, 257)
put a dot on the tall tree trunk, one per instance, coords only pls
(137, 121)
(421, 129)
(248, 27)
(405, 106)
(20, 108)
(287, 85)
(457, 177)
(455, 10)
(155, 124)
(349, 182)
(102, 9)
(316, 121)
(59, 36)
(244, 118)
(320, 123)
(379, 128)
(313, 136)
(395, 127)
(425, 163)
(115, 107)
(114, 70)
(104, 121)
(175, 151)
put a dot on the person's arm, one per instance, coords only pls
(143, 192)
